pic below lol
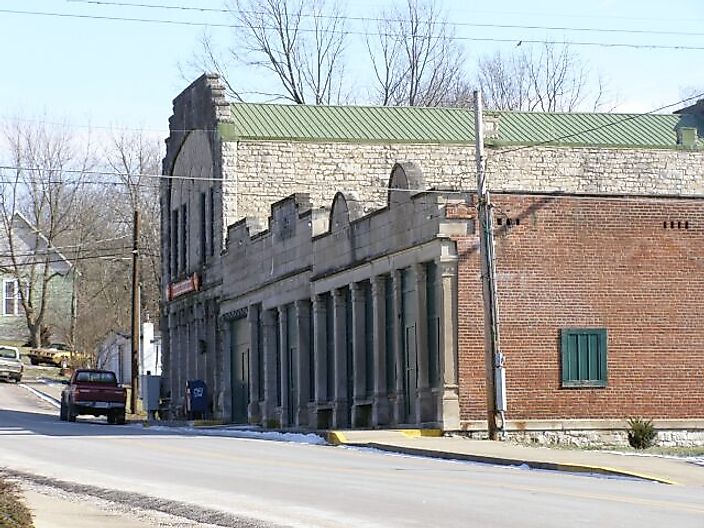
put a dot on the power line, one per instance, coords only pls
(400, 20)
(358, 33)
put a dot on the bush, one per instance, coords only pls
(641, 433)
(12, 511)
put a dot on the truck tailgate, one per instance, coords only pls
(98, 392)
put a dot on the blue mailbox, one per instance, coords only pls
(196, 399)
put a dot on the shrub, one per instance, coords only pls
(641, 433)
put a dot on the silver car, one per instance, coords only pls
(11, 366)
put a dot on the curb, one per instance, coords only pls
(533, 464)
(41, 395)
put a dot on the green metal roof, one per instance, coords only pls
(373, 124)
(350, 123)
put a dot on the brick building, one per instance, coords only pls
(357, 302)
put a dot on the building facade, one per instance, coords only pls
(32, 253)
(309, 288)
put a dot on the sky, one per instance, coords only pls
(98, 73)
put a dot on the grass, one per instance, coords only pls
(13, 513)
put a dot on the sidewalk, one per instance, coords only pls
(430, 444)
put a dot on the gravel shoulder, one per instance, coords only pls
(59, 504)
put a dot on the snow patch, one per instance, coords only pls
(297, 438)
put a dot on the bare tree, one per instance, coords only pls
(300, 45)
(135, 160)
(41, 191)
(550, 78)
(416, 60)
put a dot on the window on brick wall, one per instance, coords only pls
(583, 354)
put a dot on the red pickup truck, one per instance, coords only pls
(93, 391)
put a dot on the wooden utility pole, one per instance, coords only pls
(493, 359)
(135, 313)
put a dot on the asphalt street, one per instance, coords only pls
(244, 482)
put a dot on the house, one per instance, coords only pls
(317, 278)
(32, 251)
(115, 353)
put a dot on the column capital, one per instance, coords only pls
(269, 317)
(447, 266)
(301, 304)
(420, 270)
(318, 302)
(253, 313)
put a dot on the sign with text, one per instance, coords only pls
(176, 289)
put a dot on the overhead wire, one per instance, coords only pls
(394, 19)
(358, 33)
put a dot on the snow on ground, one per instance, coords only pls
(298, 438)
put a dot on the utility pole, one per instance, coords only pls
(493, 358)
(135, 312)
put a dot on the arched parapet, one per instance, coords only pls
(346, 208)
(406, 179)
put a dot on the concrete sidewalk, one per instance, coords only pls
(431, 444)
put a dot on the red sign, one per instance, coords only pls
(176, 289)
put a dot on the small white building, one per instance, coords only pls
(115, 353)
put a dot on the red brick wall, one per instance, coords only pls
(578, 261)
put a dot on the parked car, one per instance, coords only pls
(57, 355)
(96, 392)
(11, 366)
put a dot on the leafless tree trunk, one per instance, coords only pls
(136, 160)
(551, 78)
(416, 61)
(300, 44)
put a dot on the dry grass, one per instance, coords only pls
(13, 513)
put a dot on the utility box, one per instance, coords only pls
(150, 391)
(196, 399)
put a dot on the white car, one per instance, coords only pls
(11, 366)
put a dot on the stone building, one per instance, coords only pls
(367, 312)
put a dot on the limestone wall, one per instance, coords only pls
(262, 172)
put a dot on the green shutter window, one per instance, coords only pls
(583, 354)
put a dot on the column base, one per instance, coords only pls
(254, 415)
(425, 406)
(450, 410)
(340, 415)
(382, 412)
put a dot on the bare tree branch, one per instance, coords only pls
(551, 78)
(416, 61)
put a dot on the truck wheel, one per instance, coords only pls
(71, 413)
(34, 361)
(63, 415)
(120, 417)
(111, 417)
(18, 379)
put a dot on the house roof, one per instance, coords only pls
(28, 241)
(375, 124)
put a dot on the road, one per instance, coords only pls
(245, 482)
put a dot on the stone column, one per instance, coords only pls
(170, 361)
(425, 411)
(284, 366)
(254, 411)
(399, 412)
(269, 329)
(359, 392)
(381, 407)
(323, 393)
(303, 351)
(450, 411)
(341, 404)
